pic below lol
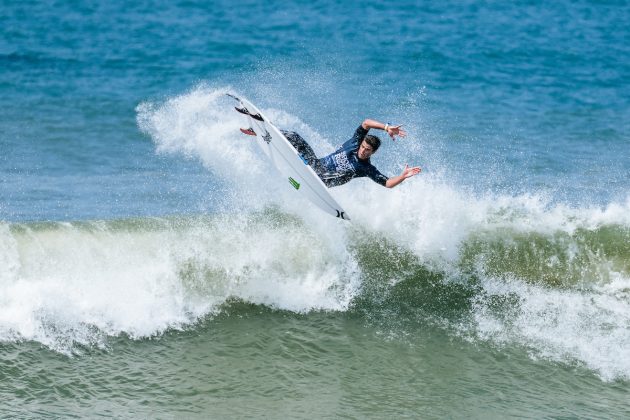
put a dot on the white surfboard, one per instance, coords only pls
(287, 160)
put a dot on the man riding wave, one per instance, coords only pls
(352, 159)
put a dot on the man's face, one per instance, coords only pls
(365, 151)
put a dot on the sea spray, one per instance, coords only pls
(544, 254)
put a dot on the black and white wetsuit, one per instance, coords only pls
(340, 166)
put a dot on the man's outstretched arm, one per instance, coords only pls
(392, 130)
(406, 173)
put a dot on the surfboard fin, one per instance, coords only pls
(248, 131)
(246, 112)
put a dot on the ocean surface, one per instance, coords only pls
(153, 264)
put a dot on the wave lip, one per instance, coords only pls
(68, 284)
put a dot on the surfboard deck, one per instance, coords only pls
(287, 160)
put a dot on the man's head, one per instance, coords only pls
(368, 146)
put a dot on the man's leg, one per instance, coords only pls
(306, 151)
(302, 147)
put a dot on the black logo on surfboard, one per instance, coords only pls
(267, 137)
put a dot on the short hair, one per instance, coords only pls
(373, 141)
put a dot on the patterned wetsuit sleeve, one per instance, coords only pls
(359, 134)
(353, 143)
(376, 176)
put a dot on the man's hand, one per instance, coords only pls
(406, 173)
(395, 130)
(392, 130)
(409, 172)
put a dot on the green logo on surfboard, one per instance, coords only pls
(295, 184)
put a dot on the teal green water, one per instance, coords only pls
(152, 265)
(253, 362)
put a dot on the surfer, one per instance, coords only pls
(352, 159)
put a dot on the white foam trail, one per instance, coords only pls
(202, 124)
(196, 125)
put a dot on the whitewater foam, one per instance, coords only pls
(73, 283)
(562, 325)
(78, 283)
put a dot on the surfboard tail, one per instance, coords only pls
(244, 111)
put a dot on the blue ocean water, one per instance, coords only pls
(541, 89)
(123, 174)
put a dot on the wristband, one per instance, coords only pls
(386, 127)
